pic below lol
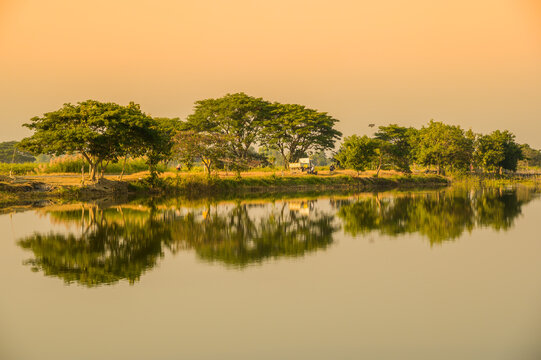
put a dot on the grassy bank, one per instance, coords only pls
(203, 186)
(197, 185)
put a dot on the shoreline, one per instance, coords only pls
(28, 192)
(36, 193)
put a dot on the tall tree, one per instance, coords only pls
(498, 151)
(294, 130)
(445, 146)
(398, 147)
(159, 144)
(237, 118)
(208, 147)
(99, 131)
(357, 152)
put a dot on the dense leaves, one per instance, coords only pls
(445, 147)
(99, 131)
(294, 130)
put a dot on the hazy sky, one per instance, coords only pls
(476, 63)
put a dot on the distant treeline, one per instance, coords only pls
(238, 132)
(438, 145)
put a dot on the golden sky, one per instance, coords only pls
(475, 63)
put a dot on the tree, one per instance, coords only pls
(531, 156)
(236, 118)
(357, 152)
(445, 146)
(208, 147)
(498, 151)
(398, 148)
(320, 159)
(99, 131)
(294, 130)
(9, 153)
(159, 144)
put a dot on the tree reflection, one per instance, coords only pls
(440, 216)
(103, 245)
(111, 245)
(238, 238)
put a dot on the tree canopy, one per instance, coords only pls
(99, 131)
(498, 151)
(235, 118)
(357, 152)
(295, 129)
(444, 146)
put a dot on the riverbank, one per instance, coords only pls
(28, 190)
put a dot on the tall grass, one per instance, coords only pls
(73, 164)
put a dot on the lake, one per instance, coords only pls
(439, 274)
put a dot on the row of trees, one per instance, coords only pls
(221, 132)
(225, 133)
(445, 147)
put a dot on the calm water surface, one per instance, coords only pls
(447, 274)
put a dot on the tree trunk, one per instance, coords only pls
(123, 167)
(93, 167)
(207, 165)
(379, 165)
(286, 162)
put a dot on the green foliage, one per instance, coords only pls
(236, 119)
(498, 150)
(9, 153)
(294, 130)
(210, 148)
(357, 152)
(530, 156)
(99, 131)
(445, 146)
(397, 145)
(158, 144)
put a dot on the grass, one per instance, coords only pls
(203, 186)
(73, 164)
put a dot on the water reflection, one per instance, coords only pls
(105, 244)
(239, 237)
(122, 242)
(112, 244)
(440, 216)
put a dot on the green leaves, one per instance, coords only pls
(99, 131)
(445, 146)
(295, 130)
(244, 121)
(498, 150)
(357, 152)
